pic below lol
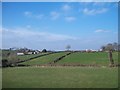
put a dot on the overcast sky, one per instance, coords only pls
(53, 25)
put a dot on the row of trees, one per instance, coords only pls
(111, 46)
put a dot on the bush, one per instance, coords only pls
(44, 50)
(5, 63)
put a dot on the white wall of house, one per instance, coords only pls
(29, 52)
(20, 54)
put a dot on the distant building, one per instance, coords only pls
(20, 54)
(88, 50)
(100, 50)
(30, 53)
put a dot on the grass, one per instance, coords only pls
(25, 57)
(63, 77)
(45, 59)
(60, 77)
(15, 58)
(100, 58)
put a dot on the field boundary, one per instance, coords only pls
(69, 65)
(60, 58)
(35, 57)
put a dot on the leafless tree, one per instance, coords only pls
(68, 47)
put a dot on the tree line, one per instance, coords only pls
(111, 46)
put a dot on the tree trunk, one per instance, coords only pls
(111, 58)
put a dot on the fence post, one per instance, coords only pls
(111, 58)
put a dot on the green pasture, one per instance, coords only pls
(25, 57)
(45, 59)
(97, 58)
(14, 57)
(60, 77)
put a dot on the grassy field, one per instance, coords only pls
(45, 59)
(100, 58)
(25, 57)
(63, 77)
(60, 77)
(15, 57)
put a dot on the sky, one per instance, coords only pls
(54, 25)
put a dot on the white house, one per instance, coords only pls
(20, 54)
(30, 53)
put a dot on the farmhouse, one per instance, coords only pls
(36, 52)
(20, 53)
(30, 53)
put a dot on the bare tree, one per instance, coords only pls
(68, 47)
(115, 46)
(109, 47)
(103, 48)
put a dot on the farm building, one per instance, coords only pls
(30, 53)
(20, 54)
